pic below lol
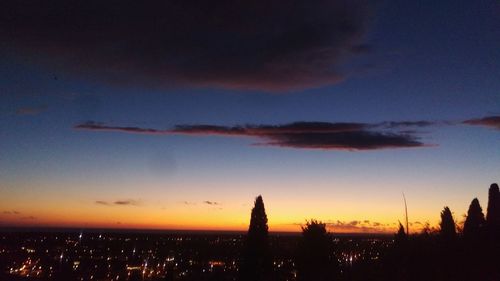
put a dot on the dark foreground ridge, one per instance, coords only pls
(444, 253)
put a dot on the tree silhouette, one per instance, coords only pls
(447, 248)
(493, 215)
(493, 231)
(448, 231)
(474, 221)
(315, 259)
(256, 264)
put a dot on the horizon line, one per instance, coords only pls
(6, 229)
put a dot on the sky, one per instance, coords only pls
(176, 115)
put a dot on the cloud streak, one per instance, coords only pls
(213, 203)
(367, 226)
(301, 135)
(96, 126)
(99, 202)
(13, 212)
(265, 45)
(357, 226)
(490, 121)
(128, 202)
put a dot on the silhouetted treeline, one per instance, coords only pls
(446, 253)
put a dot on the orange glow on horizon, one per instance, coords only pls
(345, 213)
(239, 224)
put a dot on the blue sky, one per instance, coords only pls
(426, 61)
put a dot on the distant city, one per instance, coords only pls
(99, 255)
(449, 252)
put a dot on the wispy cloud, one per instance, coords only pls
(96, 126)
(13, 212)
(356, 226)
(188, 203)
(367, 226)
(489, 121)
(405, 124)
(211, 203)
(99, 202)
(350, 136)
(305, 135)
(128, 202)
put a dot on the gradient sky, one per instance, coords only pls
(76, 91)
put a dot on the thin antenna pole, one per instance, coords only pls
(406, 215)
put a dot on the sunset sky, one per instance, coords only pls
(177, 115)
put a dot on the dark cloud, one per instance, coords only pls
(357, 140)
(118, 202)
(95, 126)
(268, 45)
(126, 202)
(262, 130)
(309, 135)
(490, 121)
(211, 202)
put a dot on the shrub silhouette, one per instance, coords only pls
(315, 259)
(448, 230)
(401, 235)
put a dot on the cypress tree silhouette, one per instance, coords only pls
(493, 215)
(448, 255)
(474, 258)
(315, 261)
(256, 264)
(448, 231)
(474, 221)
(493, 232)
